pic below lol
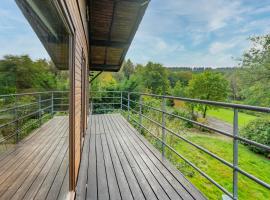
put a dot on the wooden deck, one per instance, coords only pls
(118, 163)
(38, 167)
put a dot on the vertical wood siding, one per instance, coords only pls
(77, 13)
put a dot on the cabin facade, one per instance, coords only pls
(83, 36)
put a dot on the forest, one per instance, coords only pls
(247, 83)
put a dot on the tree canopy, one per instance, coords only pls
(208, 86)
(21, 74)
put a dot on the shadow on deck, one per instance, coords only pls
(118, 163)
(38, 167)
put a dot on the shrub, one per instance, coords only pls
(258, 131)
(183, 114)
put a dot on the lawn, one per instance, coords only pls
(227, 116)
(255, 164)
(223, 114)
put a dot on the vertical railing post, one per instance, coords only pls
(121, 101)
(140, 117)
(52, 109)
(39, 109)
(16, 119)
(235, 154)
(163, 126)
(128, 105)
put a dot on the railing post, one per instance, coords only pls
(52, 106)
(121, 101)
(39, 109)
(128, 105)
(163, 127)
(235, 154)
(16, 119)
(140, 117)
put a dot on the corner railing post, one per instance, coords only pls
(39, 109)
(121, 100)
(128, 106)
(163, 127)
(235, 154)
(140, 117)
(16, 119)
(52, 109)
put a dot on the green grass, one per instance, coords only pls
(227, 116)
(255, 164)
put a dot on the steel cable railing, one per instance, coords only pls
(18, 110)
(127, 103)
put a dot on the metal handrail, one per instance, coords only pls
(40, 103)
(235, 136)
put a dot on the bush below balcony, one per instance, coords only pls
(258, 131)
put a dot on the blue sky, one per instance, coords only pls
(208, 33)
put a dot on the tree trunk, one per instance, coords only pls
(204, 111)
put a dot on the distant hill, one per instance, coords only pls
(201, 69)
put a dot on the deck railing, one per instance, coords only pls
(132, 103)
(21, 113)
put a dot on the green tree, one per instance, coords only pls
(155, 78)
(21, 74)
(255, 73)
(128, 68)
(179, 89)
(208, 86)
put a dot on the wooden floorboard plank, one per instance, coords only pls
(111, 176)
(30, 179)
(142, 180)
(20, 149)
(124, 175)
(133, 137)
(11, 188)
(122, 164)
(102, 182)
(159, 191)
(166, 164)
(63, 194)
(14, 171)
(30, 151)
(91, 191)
(82, 177)
(58, 183)
(31, 136)
(163, 182)
(48, 172)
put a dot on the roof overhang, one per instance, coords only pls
(45, 19)
(113, 24)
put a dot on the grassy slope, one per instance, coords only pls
(227, 116)
(249, 161)
(223, 114)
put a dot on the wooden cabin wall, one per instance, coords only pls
(79, 84)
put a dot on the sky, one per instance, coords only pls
(176, 33)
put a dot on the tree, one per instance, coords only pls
(21, 74)
(255, 73)
(155, 78)
(208, 86)
(178, 90)
(128, 68)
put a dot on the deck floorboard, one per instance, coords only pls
(118, 163)
(38, 164)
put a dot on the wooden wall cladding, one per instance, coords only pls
(76, 10)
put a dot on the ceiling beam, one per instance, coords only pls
(104, 67)
(105, 43)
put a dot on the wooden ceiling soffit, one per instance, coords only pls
(113, 24)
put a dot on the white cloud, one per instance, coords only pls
(219, 47)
